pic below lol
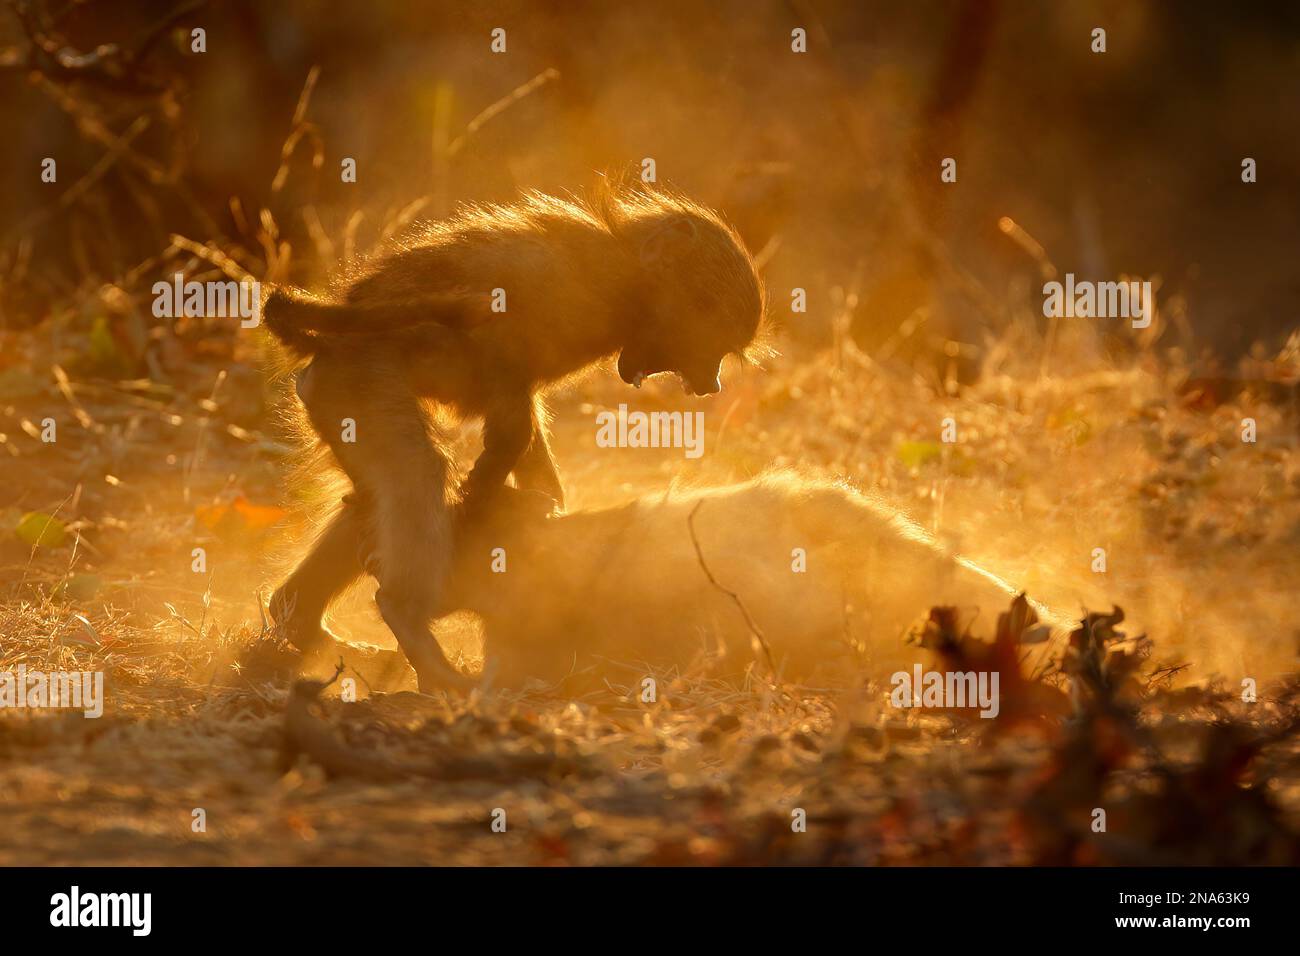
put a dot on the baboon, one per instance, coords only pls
(631, 589)
(480, 314)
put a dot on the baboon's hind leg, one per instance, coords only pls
(331, 566)
(396, 464)
(411, 628)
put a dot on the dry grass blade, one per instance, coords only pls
(754, 630)
(500, 106)
(300, 129)
(209, 253)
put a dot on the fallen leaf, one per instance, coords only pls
(89, 637)
(240, 516)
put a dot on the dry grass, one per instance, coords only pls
(201, 711)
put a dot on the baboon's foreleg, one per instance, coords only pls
(507, 431)
(396, 464)
(536, 469)
(331, 566)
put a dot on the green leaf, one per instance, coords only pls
(38, 529)
(103, 348)
(914, 454)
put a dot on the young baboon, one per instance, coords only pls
(631, 589)
(480, 314)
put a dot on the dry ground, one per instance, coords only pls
(1200, 530)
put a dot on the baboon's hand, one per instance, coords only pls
(512, 505)
(531, 502)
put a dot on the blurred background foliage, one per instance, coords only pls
(1122, 163)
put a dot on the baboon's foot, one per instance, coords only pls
(322, 645)
(432, 669)
(305, 632)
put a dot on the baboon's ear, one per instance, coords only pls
(667, 240)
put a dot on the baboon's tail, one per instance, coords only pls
(305, 324)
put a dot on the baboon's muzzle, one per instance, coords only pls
(709, 383)
(303, 383)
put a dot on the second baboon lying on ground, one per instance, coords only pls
(827, 574)
(481, 314)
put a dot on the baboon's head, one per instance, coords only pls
(700, 299)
